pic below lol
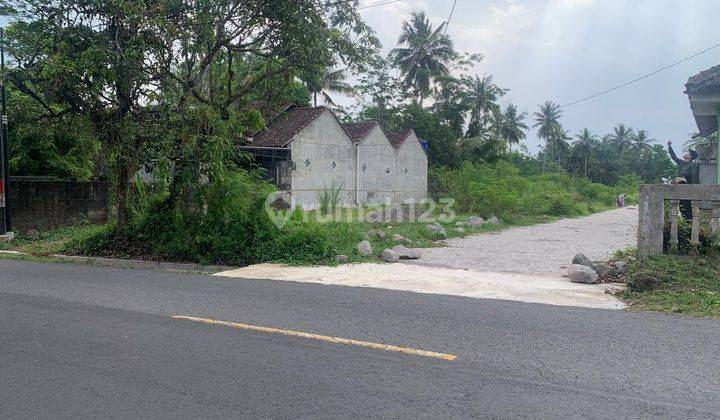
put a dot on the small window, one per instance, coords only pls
(333, 164)
(387, 170)
(364, 167)
(307, 163)
(405, 170)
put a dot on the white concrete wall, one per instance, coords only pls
(410, 177)
(377, 157)
(320, 144)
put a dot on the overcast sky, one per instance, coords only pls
(567, 49)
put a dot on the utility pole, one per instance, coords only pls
(5, 227)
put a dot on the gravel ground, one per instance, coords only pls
(541, 249)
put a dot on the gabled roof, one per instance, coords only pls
(397, 138)
(286, 126)
(271, 110)
(358, 131)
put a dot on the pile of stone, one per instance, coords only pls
(390, 255)
(582, 270)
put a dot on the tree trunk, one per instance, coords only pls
(585, 167)
(315, 98)
(121, 192)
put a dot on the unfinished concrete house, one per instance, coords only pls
(376, 163)
(411, 165)
(307, 151)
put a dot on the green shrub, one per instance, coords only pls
(329, 198)
(502, 189)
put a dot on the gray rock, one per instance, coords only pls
(434, 228)
(582, 274)
(438, 229)
(374, 217)
(581, 259)
(605, 270)
(494, 221)
(399, 238)
(33, 234)
(621, 267)
(372, 233)
(460, 229)
(390, 256)
(407, 253)
(341, 259)
(476, 221)
(364, 249)
(460, 224)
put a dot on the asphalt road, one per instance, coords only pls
(81, 341)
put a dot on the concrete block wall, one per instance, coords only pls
(44, 203)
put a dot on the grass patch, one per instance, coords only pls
(676, 284)
(298, 243)
(52, 241)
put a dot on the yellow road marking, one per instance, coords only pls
(329, 339)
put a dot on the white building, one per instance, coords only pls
(411, 167)
(376, 163)
(307, 151)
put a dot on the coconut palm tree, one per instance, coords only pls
(547, 121)
(331, 81)
(482, 97)
(622, 137)
(422, 54)
(641, 141)
(583, 147)
(558, 143)
(512, 128)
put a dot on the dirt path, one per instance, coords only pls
(541, 249)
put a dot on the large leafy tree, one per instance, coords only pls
(171, 78)
(422, 55)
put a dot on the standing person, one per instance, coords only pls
(688, 173)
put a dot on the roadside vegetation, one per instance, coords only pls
(100, 91)
(235, 229)
(686, 282)
(677, 284)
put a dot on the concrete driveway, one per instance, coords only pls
(522, 264)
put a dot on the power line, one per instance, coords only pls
(641, 77)
(379, 4)
(362, 7)
(452, 10)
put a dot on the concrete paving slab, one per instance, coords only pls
(443, 281)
